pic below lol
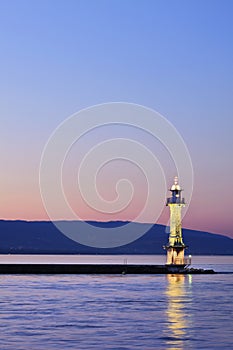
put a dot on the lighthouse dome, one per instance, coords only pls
(175, 185)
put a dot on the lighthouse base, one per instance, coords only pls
(175, 255)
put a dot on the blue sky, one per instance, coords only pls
(173, 56)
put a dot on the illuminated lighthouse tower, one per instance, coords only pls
(175, 247)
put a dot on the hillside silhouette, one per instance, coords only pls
(42, 237)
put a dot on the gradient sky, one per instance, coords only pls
(176, 57)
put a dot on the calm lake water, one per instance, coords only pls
(117, 311)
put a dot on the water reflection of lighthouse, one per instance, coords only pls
(178, 294)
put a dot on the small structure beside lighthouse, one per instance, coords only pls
(175, 247)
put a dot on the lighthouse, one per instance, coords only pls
(175, 247)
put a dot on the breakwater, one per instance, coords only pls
(97, 269)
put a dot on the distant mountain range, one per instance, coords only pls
(42, 237)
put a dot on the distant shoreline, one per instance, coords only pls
(43, 237)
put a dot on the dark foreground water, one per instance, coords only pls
(118, 312)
